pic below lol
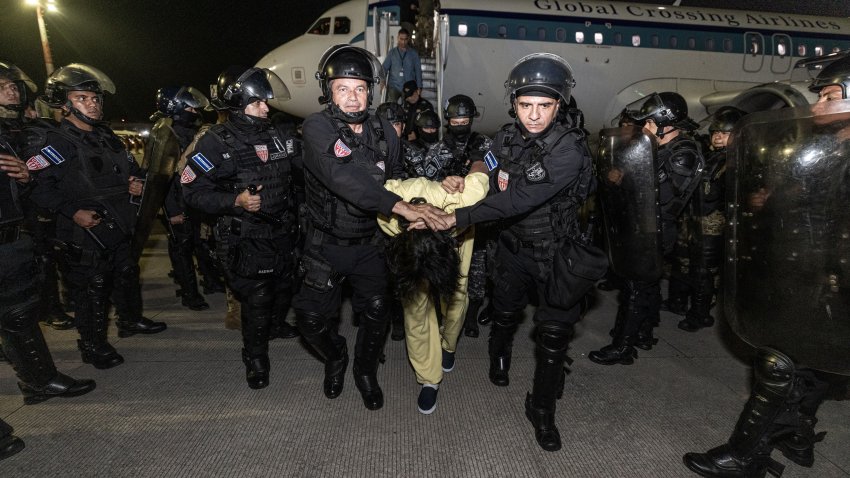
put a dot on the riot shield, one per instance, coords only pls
(626, 166)
(787, 277)
(161, 156)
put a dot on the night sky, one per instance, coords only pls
(145, 44)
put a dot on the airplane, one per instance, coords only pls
(619, 52)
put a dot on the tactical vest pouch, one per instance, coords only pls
(575, 268)
(255, 258)
(317, 273)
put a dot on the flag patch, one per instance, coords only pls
(503, 180)
(340, 149)
(188, 175)
(37, 162)
(202, 162)
(262, 152)
(53, 155)
(490, 161)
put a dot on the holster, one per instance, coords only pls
(316, 272)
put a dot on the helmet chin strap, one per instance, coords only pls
(80, 116)
(350, 118)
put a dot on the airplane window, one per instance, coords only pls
(597, 38)
(654, 41)
(520, 32)
(754, 47)
(818, 50)
(781, 50)
(635, 40)
(692, 43)
(321, 27)
(836, 49)
(618, 38)
(674, 42)
(709, 44)
(342, 25)
(462, 29)
(727, 45)
(483, 30)
(561, 34)
(801, 50)
(579, 37)
(503, 31)
(541, 34)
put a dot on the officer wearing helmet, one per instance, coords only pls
(347, 158)
(706, 220)
(790, 300)
(540, 173)
(394, 114)
(413, 105)
(177, 120)
(87, 176)
(680, 166)
(21, 339)
(241, 171)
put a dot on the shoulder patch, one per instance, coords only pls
(188, 175)
(341, 150)
(37, 162)
(504, 177)
(52, 155)
(536, 173)
(491, 161)
(202, 162)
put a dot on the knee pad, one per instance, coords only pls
(99, 285)
(19, 317)
(774, 371)
(261, 296)
(376, 309)
(310, 323)
(506, 319)
(554, 336)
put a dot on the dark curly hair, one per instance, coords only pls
(423, 259)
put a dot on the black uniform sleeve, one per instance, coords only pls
(174, 205)
(47, 193)
(394, 152)
(560, 169)
(205, 169)
(345, 179)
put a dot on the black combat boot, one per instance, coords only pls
(644, 339)
(9, 444)
(257, 368)
(699, 315)
(26, 349)
(747, 453)
(180, 252)
(256, 318)
(368, 351)
(91, 316)
(620, 352)
(552, 341)
(799, 445)
(470, 324)
(500, 346)
(330, 346)
(127, 296)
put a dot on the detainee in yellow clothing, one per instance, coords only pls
(425, 338)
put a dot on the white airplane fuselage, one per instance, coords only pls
(619, 51)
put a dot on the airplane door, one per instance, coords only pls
(753, 52)
(780, 61)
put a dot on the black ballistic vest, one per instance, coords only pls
(330, 213)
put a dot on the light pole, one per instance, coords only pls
(40, 7)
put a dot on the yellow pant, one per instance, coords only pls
(425, 338)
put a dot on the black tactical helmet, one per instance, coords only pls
(725, 118)
(427, 119)
(238, 87)
(665, 109)
(75, 77)
(837, 73)
(460, 106)
(543, 74)
(12, 74)
(346, 61)
(625, 118)
(392, 112)
(173, 100)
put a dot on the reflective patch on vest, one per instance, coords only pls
(37, 162)
(278, 144)
(491, 161)
(52, 154)
(535, 173)
(381, 165)
(203, 162)
(503, 180)
(188, 175)
(262, 152)
(340, 149)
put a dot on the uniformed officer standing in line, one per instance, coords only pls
(413, 104)
(347, 159)
(88, 177)
(680, 166)
(540, 174)
(178, 109)
(708, 218)
(20, 337)
(241, 170)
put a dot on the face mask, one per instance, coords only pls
(429, 138)
(461, 131)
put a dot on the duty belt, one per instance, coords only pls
(9, 234)
(320, 237)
